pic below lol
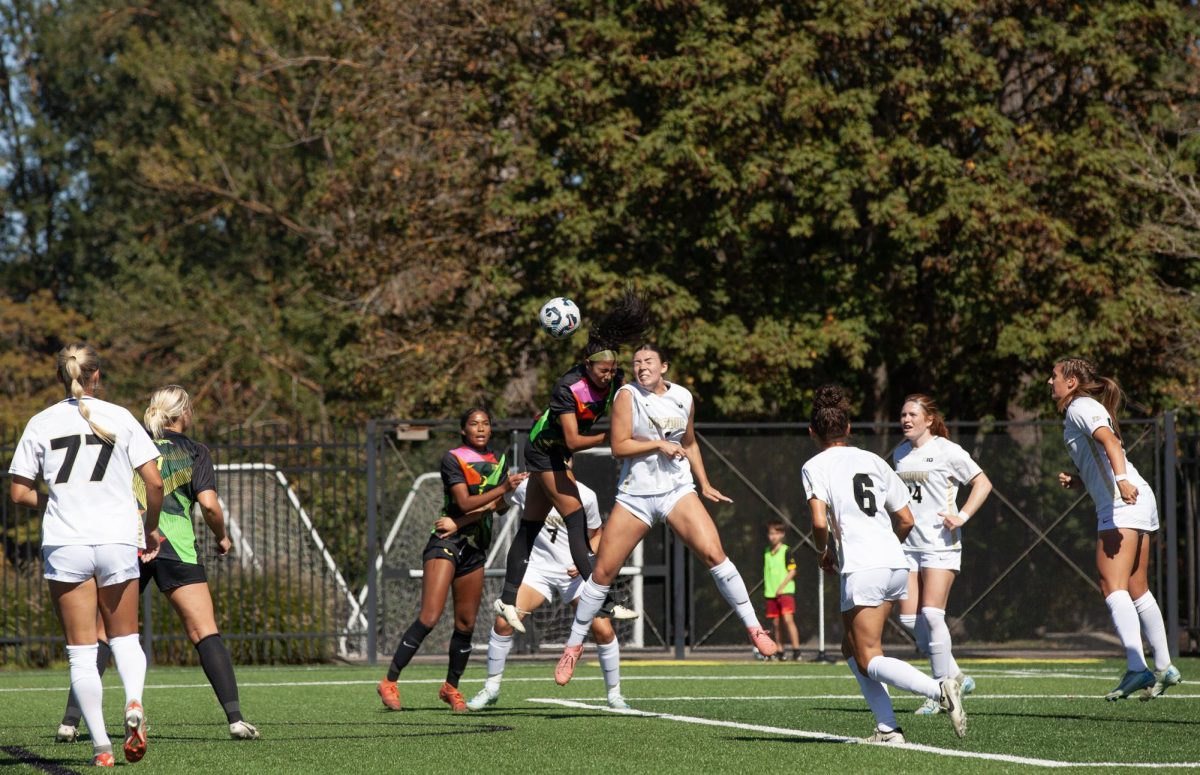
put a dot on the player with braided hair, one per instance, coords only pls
(580, 398)
(1126, 515)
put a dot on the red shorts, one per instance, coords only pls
(780, 605)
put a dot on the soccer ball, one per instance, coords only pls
(559, 317)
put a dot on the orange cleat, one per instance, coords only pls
(566, 664)
(135, 732)
(104, 759)
(453, 697)
(762, 641)
(389, 692)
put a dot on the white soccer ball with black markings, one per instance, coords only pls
(559, 317)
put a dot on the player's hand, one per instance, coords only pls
(1129, 491)
(1066, 480)
(445, 527)
(827, 561)
(714, 495)
(671, 450)
(224, 543)
(572, 572)
(153, 544)
(514, 481)
(951, 520)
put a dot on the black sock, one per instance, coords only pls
(460, 652)
(72, 714)
(518, 558)
(410, 641)
(577, 540)
(214, 658)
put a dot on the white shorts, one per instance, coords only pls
(108, 563)
(951, 560)
(873, 587)
(656, 507)
(546, 581)
(1142, 515)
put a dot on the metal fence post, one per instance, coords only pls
(148, 623)
(372, 546)
(1171, 515)
(680, 604)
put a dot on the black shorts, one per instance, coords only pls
(465, 556)
(171, 574)
(555, 459)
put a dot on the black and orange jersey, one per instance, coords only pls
(574, 392)
(480, 472)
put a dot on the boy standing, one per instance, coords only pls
(779, 587)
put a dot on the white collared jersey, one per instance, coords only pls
(548, 551)
(656, 417)
(1084, 417)
(933, 472)
(861, 491)
(91, 483)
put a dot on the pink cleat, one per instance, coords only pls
(566, 664)
(762, 641)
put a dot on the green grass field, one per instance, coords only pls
(690, 717)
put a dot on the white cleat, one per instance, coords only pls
(929, 708)
(244, 730)
(951, 702)
(617, 702)
(621, 613)
(895, 737)
(67, 733)
(511, 614)
(1163, 680)
(485, 698)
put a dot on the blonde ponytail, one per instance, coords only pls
(77, 363)
(166, 406)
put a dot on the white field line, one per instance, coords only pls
(996, 757)
(974, 698)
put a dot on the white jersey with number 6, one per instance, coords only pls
(933, 472)
(860, 490)
(91, 483)
(548, 551)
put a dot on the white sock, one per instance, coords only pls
(909, 623)
(1153, 629)
(1125, 619)
(131, 664)
(497, 655)
(904, 676)
(89, 692)
(877, 697)
(939, 642)
(733, 589)
(923, 635)
(610, 664)
(591, 598)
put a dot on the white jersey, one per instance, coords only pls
(860, 490)
(1084, 417)
(549, 552)
(656, 418)
(91, 483)
(933, 473)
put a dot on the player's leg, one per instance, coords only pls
(1117, 552)
(119, 608)
(468, 590)
(935, 592)
(193, 603)
(608, 651)
(909, 607)
(560, 488)
(500, 643)
(76, 604)
(691, 522)
(621, 535)
(533, 517)
(435, 587)
(1150, 616)
(887, 728)
(68, 728)
(789, 622)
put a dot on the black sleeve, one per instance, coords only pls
(562, 400)
(452, 472)
(204, 477)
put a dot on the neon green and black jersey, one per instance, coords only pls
(573, 393)
(480, 472)
(775, 566)
(187, 470)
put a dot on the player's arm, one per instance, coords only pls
(981, 488)
(692, 450)
(902, 522)
(23, 492)
(214, 517)
(820, 524)
(1116, 459)
(621, 436)
(574, 440)
(486, 501)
